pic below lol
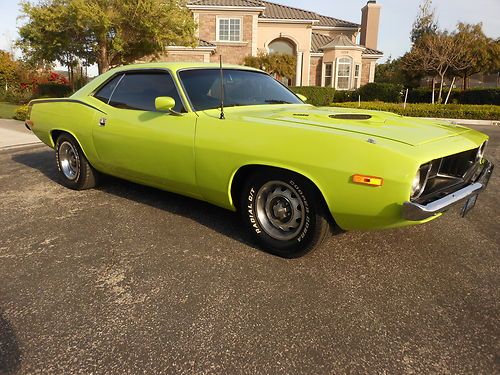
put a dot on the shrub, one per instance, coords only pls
(323, 96)
(21, 112)
(18, 95)
(456, 111)
(480, 96)
(53, 90)
(385, 92)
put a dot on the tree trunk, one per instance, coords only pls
(465, 81)
(102, 60)
(440, 96)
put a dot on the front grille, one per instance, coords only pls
(449, 174)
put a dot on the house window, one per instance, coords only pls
(229, 29)
(344, 73)
(328, 74)
(357, 69)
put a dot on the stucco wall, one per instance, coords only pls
(298, 33)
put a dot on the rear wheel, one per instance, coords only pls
(76, 171)
(284, 213)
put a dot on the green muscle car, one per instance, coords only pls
(292, 170)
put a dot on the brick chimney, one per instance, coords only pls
(370, 17)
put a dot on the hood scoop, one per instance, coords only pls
(350, 116)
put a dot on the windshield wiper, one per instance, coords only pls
(276, 101)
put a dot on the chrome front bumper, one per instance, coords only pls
(416, 212)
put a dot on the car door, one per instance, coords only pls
(136, 142)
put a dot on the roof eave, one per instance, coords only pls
(223, 7)
(286, 20)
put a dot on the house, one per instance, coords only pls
(326, 48)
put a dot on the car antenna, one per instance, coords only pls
(222, 117)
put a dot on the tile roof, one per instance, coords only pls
(318, 41)
(279, 11)
(285, 12)
(204, 43)
(335, 22)
(370, 51)
(340, 40)
(227, 3)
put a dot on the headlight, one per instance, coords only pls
(420, 180)
(480, 151)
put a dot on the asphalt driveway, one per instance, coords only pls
(127, 279)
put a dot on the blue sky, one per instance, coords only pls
(396, 19)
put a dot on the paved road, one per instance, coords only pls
(128, 279)
(14, 134)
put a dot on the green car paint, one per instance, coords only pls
(197, 154)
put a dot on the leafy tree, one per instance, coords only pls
(425, 23)
(106, 32)
(476, 50)
(8, 69)
(392, 71)
(279, 64)
(121, 32)
(436, 54)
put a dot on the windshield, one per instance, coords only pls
(241, 87)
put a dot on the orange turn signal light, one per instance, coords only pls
(367, 180)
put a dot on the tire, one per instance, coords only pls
(76, 171)
(284, 213)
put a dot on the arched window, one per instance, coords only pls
(282, 46)
(344, 73)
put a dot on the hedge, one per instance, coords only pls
(454, 111)
(53, 90)
(391, 93)
(21, 112)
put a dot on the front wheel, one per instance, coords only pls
(284, 213)
(76, 171)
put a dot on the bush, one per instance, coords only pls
(385, 92)
(323, 96)
(18, 96)
(480, 96)
(53, 90)
(455, 111)
(472, 96)
(21, 112)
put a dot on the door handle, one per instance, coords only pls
(102, 121)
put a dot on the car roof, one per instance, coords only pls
(174, 66)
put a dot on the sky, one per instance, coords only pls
(397, 17)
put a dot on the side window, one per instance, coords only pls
(139, 91)
(105, 92)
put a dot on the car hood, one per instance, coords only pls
(409, 130)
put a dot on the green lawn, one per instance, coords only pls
(7, 110)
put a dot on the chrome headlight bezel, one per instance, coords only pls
(481, 150)
(420, 181)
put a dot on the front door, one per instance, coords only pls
(138, 143)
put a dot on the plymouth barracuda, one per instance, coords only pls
(239, 139)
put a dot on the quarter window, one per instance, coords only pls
(229, 29)
(107, 90)
(344, 73)
(139, 91)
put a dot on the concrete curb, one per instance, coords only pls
(466, 121)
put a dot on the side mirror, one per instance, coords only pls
(301, 97)
(166, 104)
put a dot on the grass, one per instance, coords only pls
(7, 110)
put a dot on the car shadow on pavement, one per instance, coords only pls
(221, 220)
(10, 355)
